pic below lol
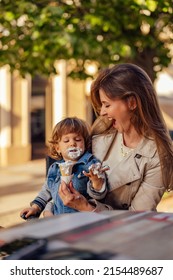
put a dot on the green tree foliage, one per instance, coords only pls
(34, 34)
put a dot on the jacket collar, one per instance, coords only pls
(101, 144)
(146, 148)
(85, 158)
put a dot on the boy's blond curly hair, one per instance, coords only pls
(65, 126)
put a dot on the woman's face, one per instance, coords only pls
(116, 110)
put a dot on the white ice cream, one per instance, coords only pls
(98, 169)
(74, 153)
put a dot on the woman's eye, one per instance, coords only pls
(78, 139)
(66, 141)
(104, 105)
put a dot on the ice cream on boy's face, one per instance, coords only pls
(71, 146)
(74, 153)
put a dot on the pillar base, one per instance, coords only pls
(15, 155)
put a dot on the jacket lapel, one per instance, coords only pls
(101, 145)
(126, 171)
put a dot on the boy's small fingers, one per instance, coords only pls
(86, 174)
(105, 168)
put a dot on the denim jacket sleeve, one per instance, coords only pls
(98, 195)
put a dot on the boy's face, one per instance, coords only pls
(71, 146)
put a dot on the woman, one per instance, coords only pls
(131, 137)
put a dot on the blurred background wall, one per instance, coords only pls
(30, 107)
(43, 42)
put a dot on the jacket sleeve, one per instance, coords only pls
(43, 197)
(49, 206)
(97, 194)
(150, 190)
(99, 206)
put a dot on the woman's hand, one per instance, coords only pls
(73, 198)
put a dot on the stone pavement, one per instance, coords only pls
(20, 184)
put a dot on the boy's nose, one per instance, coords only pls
(73, 143)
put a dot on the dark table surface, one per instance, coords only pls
(106, 235)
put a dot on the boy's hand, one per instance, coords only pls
(96, 175)
(30, 211)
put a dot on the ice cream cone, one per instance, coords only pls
(66, 171)
(66, 179)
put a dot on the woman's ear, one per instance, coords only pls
(132, 104)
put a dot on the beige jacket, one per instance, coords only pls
(136, 182)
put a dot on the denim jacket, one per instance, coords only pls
(51, 186)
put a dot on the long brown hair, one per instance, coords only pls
(126, 80)
(65, 126)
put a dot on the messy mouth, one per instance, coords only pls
(74, 153)
(72, 150)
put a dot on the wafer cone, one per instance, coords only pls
(66, 171)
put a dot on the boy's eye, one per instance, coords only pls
(76, 139)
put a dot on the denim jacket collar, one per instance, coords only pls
(85, 158)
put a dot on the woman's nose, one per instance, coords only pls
(102, 111)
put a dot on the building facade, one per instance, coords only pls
(30, 108)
